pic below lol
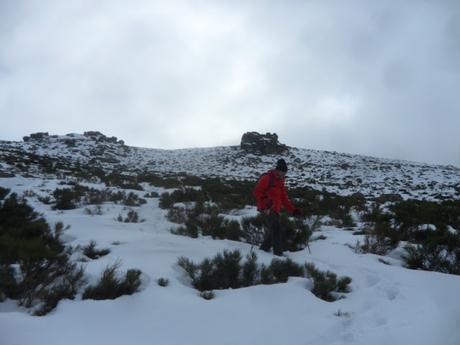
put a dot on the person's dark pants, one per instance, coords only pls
(272, 233)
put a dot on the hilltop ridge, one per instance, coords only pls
(341, 173)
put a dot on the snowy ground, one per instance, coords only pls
(339, 173)
(388, 303)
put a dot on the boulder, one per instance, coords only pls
(39, 136)
(262, 144)
(383, 198)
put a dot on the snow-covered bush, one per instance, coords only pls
(163, 282)
(432, 257)
(91, 252)
(225, 271)
(3, 192)
(35, 268)
(110, 286)
(296, 232)
(279, 271)
(131, 217)
(167, 200)
(204, 220)
(325, 284)
(68, 198)
(95, 210)
(207, 295)
(152, 195)
(121, 181)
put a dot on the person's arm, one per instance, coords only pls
(286, 202)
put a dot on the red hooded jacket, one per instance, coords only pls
(270, 193)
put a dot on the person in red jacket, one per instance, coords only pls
(271, 195)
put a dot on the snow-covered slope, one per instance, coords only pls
(336, 172)
(388, 304)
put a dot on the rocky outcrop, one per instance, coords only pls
(262, 144)
(39, 136)
(392, 197)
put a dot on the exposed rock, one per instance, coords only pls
(39, 136)
(262, 144)
(93, 134)
(99, 137)
(389, 198)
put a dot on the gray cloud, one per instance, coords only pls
(378, 79)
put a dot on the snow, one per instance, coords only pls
(388, 304)
(339, 173)
(426, 227)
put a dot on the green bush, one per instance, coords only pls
(250, 270)
(432, 257)
(177, 215)
(207, 295)
(206, 221)
(68, 198)
(152, 195)
(35, 269)
(67, 288)
(111, 287)
(122, 181)
(131, 217)
(3, 192)
(132, 199)
(225, 271)
(167, 200)
(296, 232)
(163, 282)
(281, 270)
(325, 284)
(253, 229)
(190, 230)
(91, 252)
(24, 235)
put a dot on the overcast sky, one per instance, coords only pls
(380, 78)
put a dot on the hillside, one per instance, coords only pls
(369, 268)
(339, 173)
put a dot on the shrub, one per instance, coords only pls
(132, 199)
(382, 237)
(3, 192)
(281, 270)
(24, 235)
(96, 210)
(111, 287)
(35, 268)
(432, 257)
(91, 252)
(220, 272)
(163, 282)
(253, 229)
(325, 284)
(296, 232)
(68, 198)
(177, 215)
(152, 195)
(207, 295)
(67, 288)
(204, 220)
(131, 217)
(167, 200)
(225, 271)
(190, 230)
(45, 200)
(250, 270)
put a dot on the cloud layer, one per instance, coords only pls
(360, 77)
